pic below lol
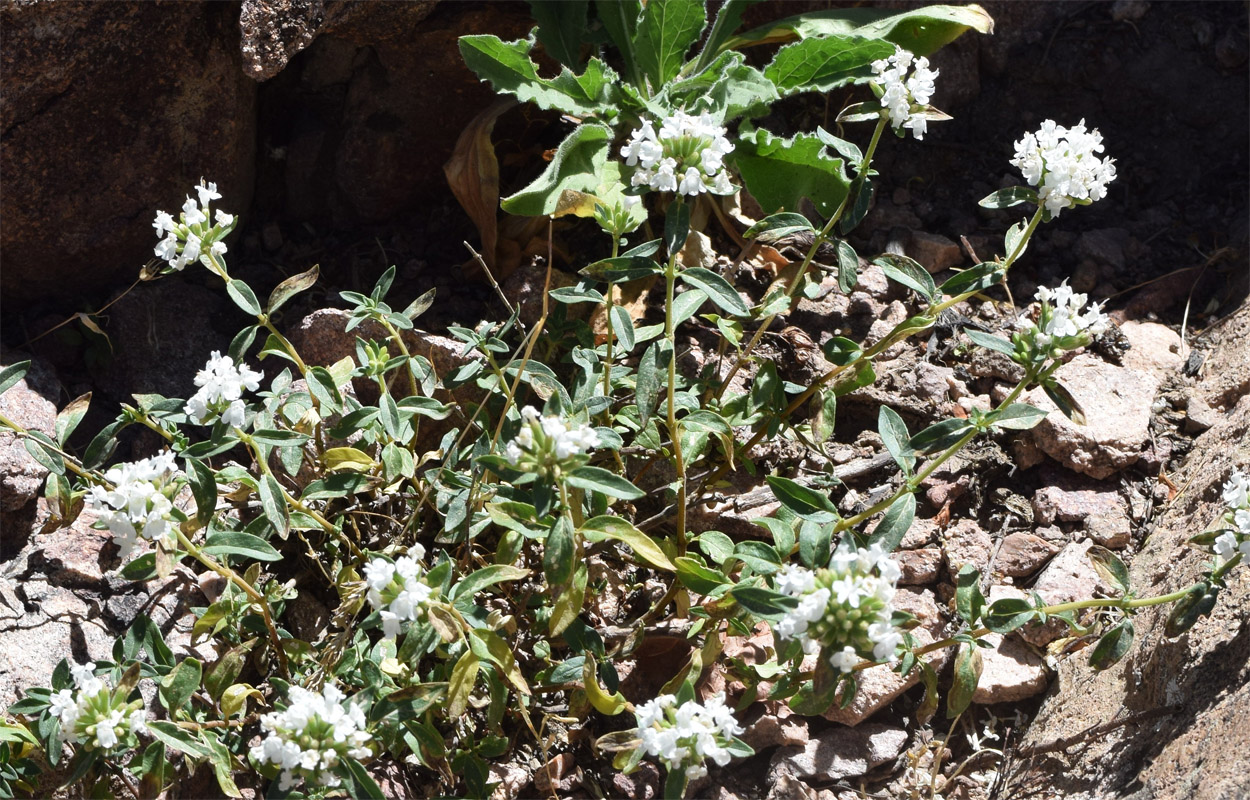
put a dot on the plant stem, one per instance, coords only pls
(70, 462)
(253, 594)
(607, 317)
(821, 237)
(674, 431)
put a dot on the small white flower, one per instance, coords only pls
(396, 592)
(1062, 316)
(221, 389)
(311, 736)
(1062, 164)
(902, 92)
(1236, 491)
(207, 193)
(684, 737)
(548, 439)
(138, 505)
(686, 156)
(845, 659)
(191, 214)
(163, 223)
(1225, 545)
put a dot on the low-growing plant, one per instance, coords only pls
(465, 565)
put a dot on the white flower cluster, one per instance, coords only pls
(91, 716)
(140, 503)
(1062, 318)
(845, 610)
(901, 92)
(549, 437)
(686, 156)
(1236, 496)
(1061, 163)
(396, 591)
(311, 736)
(184, 240)
(221, 390)
(685, 736)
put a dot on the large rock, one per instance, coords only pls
(1116, 402)
(1168, 722)
(110, 111)
(21, 476)
(840, 753)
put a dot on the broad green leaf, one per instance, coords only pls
(665, 32)
(652, 376)
(10, 375)
(510, 70)
(717, 289)
(176, 687)
(758, 556)
(575, 165)
(974, 279)
(597, 479)
(279, 438)
(717, 545)
(69, 417)
(1113, 646)
(290, 287)
(623, 327)
(621, 269)
(825, 63)
(484, 578)
(273, 503)
(698, 578)
(1005, 615)
(1190, 608)
(967, 674)
(764, 603)
(1108, 565)
(460, 686)
(895, 523)
(969, 601)
(781, 172)
(1011, 196)
(244, 297)
(848, 150)
(728, 18)
(489, 647)
(178, 739)
(360, 785)
(559, 553)
(561, 28)
(1019, 417)
(620, 20)
(1063, 399)
(43, 450)
(618, 529)
(807, 503)
(940, 435)
(825, 418)
(922, 30)
(604, 703)
(728, 88)
(895, 436)
(778, 226)
(990, 342)
(237, 543)
(904, 270)
(1014, 243)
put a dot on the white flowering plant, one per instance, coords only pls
(485, 540)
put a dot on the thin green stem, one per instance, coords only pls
(70, 462)
(607, 317)
(674, 430)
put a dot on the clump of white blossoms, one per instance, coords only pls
(310, 737)
(544, 443)
(686, 156)
(905, 95)
(94, 715)
(140, 504)
(191, 236)
(1062, 164)
(844, 611)
(1236, 538)
(685, 736)
(1063, 322)
(221, 390)
(396, 591)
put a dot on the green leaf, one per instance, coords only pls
(728, 88)
(10, 375)
(460, 686)
(561, 28)
(1005, 615)
(484, 578)
(825, 63)
(990, 342)
(922, 31)
(904, 270)
(178, 739)
(974, 279)
(1112, 646)
(676, 227)
(717, 289)
(781, 172)
(967, 674)
(652, 376)
(644, 546)
(576, 166)
(815, 544)
(1018, 416)
(895, 436)
(764, 603)
(623, 327)
(760, 557)
(620, 20)
(698, 578)
(321, 385)
(69, 417)
(807, 503)
(559, 553)
(1063, 399)
(717, 545)
(177, 687)
(489, 647)
(728, 18)
(665, 32)
(597, 479)
(848, 150)
(278, 438)
(510, 70)
(42, 449)
(778, 226)
(841, 351)
(1109, 566)
(203, 489)
(273, 503)
(1011, 196)
(621, 269)
(290, 287)
(244, 297)
(940, 435)
(895, 523)
(969, 602)
(1190, 608)
(1014, 242)
(360, 785)
(237, 543)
